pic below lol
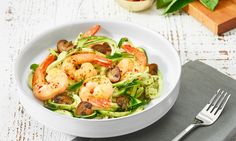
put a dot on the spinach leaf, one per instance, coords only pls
(176, 5)
(162, 3)
(210, 4)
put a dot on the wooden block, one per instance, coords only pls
(221, 20)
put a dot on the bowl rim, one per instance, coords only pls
(48, 31)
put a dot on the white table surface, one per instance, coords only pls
(22, 20)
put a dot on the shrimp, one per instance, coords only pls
(47, 86)
(92, 31)
(128, 66)
(98, 91)
(140, 55)
(86, 70)
(125, 65)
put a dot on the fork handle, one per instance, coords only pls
(185, 132)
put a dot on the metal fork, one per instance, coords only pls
(209, 114)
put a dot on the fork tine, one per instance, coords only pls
(217, 106)
(222, 105)
(219, 97)
(214, 100)
(221, 100)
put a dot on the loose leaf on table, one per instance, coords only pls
(162, 3)
(176, 5)
(210, 4)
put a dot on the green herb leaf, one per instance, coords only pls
(114, 56)
(33, 67)
(176, 5)
(210, 4)
(76, 86)
(119, 56)
(162, 3)
(122, 40)
(134, 103)
(133, 83)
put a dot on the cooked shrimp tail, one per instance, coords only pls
(41, 69)
(140, 55)
(92, 31)
(46, 86)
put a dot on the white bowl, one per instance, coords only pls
(159, 50)
(135, 6)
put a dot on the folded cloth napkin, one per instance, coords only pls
(199, 82)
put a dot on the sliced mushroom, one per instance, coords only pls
(64, 45)
(123, 101)
(63, 99)
(102, 48)
(114, 74)
(153, 68)
(84, 108)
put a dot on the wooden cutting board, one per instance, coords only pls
(221, 20)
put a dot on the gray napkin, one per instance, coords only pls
(199, 83)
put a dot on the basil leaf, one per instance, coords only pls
(162, 3)
(76, 86)
(176, 5)
(210, 4)
(33, 67)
